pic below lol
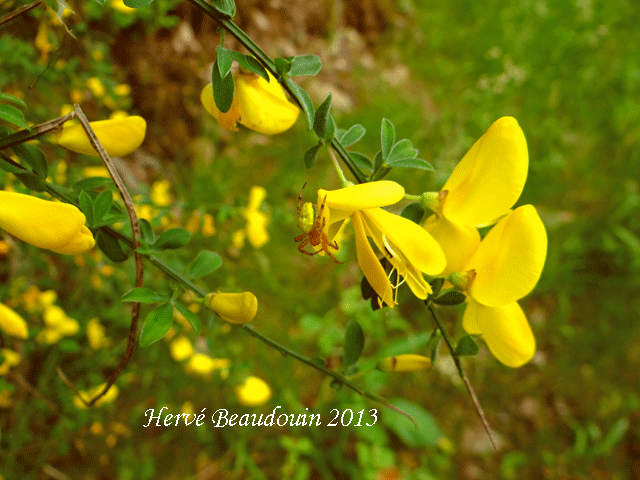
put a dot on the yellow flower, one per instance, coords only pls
(239, 308)
(482, 188)
(406, 362)
(407, 246)
(505, 267)
(208, 229)
(96, 86)
(11, 359)
(256, 220)
(88, 395)
(11, 323)
(118, 136)
(253, 392)
(96, 336)
(56, 226)
(181, 349)
(121, 7)
(160, 193)
(201, 364)
(257, 104)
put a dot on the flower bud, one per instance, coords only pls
(239, 308)
(12, 323)
(407, 362)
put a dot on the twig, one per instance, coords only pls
(25, 135)
(18, 11)
(463, 376)
(31, 389)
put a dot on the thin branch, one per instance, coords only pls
(25, 135)
(463, 376)
(9, 17)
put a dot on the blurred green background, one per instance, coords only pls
(569, 72)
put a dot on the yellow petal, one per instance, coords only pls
(239, 308)
(369, 264)
(256, 196)
(55, 226)
(11, 323)
(362, 196)
(227, 120)
(490, 177)
(257, 228)
(509, 260)
(458, 242)
(253, 392)
(406, 362)
(119, 136)
(11, 359)
(505, 329)
(263, 105)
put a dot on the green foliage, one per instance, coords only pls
(205, 263)
(323, 124)
(156, 324)
(223, 87)
(353, 343)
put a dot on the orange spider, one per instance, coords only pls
(312, 222)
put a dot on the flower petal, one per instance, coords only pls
(362, 196)
(118, 136)
(458, 242)
(11, 323)
(227, 120)
(509, 260)
(505, 329)
(369, 264)
(490, 177)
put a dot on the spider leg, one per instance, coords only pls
(300, 237)
(325, 247)
(300, 203)
(302, 250)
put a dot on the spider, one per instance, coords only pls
(312, 222)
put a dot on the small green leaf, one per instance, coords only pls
(156, 325)
(91, 183)
(8, 167)
(137, 3)
(305, 65)
(146, 231)
(32, 181)
(452, 297)
(305, 101)
(249, 63)
(362, 161)
(310, 155)
(466, 346)
(144, 295)
(402, 149)
(224, 61)
(191, 317)
(353, 343)
(434, 346)
(352, 135)
(172, 238)
(86, 206)
(205, 263)
(101, 205)
(223, 89)
(411, 163)
(427, 433)
(322, 123)
(283, 65)
(225, 7)
(12, 115)
(111, 247)
(33, 156)
(377, 161)
(387, 137)
(436, 285)
(413, 212)
(10, 98)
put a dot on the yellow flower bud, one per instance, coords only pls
(407, 362)
(56, 226)
(12, 323)
(239, 308)
(118, 136)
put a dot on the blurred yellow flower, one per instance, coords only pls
(123, 89)
(257, 221)
(95, 86)
(257, 104)
(76, 97)
(121, 7)
(88, 395)
(160, 193)
(56, 226)
(42, 42)
(406, 362)
(253, 392)
(201, 364)
(238, 308)
(96, 335)
(57, 325)
(11, 323)
(11, 359)
(208, 229)
(119, 136)
(98, 171)
(181, 349)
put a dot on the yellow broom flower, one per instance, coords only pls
(11, 323)
(239, 308)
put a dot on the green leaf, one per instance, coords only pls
(413, 212)
(91, 183)
(434, 346)
(387, 137)
(172, 238)
(224, 61)
(9, 167)
(12, 115)
(452, 297)
(32, 181)
(353, 343)
(352, 135)
(322, 123)
(111, 247)
(305, 65)
(191, 317)
(225, 7)
(305, 101)
(86, 206)
(137, 3)
(205, 263)
(436, 285)
(156, 325)
(283, 65)
(310, 155)
(10, 98)
(146, 231)
(144, 295)
(223, 89)
(33, 156)
(411, 163)
(402, 149)
(466, 346)
(361, 161)
(101, 205)
(377, 161)
(427, 433)
(249, 63)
